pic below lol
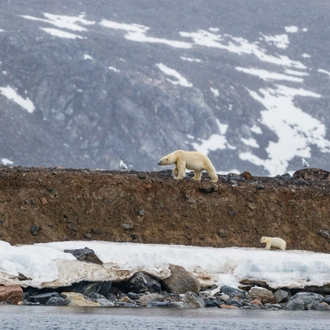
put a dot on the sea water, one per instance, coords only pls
(44, 317)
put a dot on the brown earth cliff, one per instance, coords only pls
(54, 204)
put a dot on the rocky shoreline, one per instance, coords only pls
(180, 290)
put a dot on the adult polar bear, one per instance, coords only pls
(192, 160)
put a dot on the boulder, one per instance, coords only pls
(77, 299)
(12, 293)
(262, 294)
(304, 300)
(193, 300)
(142, 282)
(181, 281)
(281, 296)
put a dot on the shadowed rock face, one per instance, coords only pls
(107, 92)
(84, 204)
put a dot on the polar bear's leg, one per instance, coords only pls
(181, 169)
(175, 172)
(267, 247)
(197, 175)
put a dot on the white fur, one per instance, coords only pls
(276, 242)
(192, 160)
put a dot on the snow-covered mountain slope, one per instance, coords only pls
(85, 84)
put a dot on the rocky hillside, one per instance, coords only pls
(43, 205)
(85, 84)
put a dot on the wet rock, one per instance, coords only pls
(43, 298)
(234, 302)
(85, 254)
(281, 296)
(142, 282)
(181, 281)
(77, 299)
(262, 294)
(56, 301)
(232, 292)
(99, 298)
(193, 300)
(158, 304)
(301, 300)
(209, 303)
(12, 293)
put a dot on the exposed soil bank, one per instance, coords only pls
(42, 205)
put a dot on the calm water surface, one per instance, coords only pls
(44, 317)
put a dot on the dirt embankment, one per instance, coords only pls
(42, 205)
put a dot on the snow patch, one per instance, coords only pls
(137, 32)
(62, 34)
(267, 75)
(12, 95)
(291, 29)
(171, 72)
(295, 129)
(46, 264)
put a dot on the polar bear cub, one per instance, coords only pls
(276, 242)
(192, 160)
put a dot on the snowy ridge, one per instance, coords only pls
(261, 79)
(46, 265)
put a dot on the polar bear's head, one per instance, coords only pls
(169, 159)
(263, 239)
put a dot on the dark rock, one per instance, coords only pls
(96, 231)
(86, 254)
(56, 301)
(285, 176)
(43, 298)
(142, 282)
(207, 189)
(260, 187)
(232, 213)
(86, 287)
(133, 296)
(212, 302)
(232, 292)
(181, 281)
(34, 229)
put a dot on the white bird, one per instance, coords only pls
(304, 163)
(122, 165)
